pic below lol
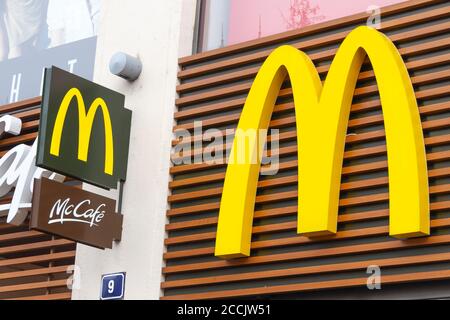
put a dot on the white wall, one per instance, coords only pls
(158, 32)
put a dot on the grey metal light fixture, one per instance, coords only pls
(125, 66)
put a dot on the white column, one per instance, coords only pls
(158, 32)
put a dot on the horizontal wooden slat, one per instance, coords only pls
(5, 226)
(292, 195)
(20, 235)
(289, 165)
(251, 72)
(15, 140)
(234, 118)
(35, 246)
(308, 254)
(292, 136)
(292, 150)
(374, 198)
(290, 120)
(30, 125)
(27, 114)
(311, 286)
(351, 139)
(354, 217)
(54, 296)
(39, 258)
(34, 285)
(431, 157)
(293, 180)
(278, 212)
(9, 108)
(33, 272)
(244, 88)
(300, 271)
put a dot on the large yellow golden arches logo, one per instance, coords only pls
(322, 114)
(86, 121)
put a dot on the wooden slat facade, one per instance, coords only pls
(33, 265)
(213, 87)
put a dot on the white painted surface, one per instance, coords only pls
(158, 32)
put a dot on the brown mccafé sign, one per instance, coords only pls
(75, 214)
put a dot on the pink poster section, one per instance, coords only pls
(251, 19)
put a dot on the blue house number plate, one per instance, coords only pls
(113, 286)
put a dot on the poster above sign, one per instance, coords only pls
(75, 214)
(22, 78)
(36, 34)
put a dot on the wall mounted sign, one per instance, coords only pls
(113, 286)
(84, 130)
(322, 114)
(75, 214)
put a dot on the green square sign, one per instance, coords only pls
(84, 130)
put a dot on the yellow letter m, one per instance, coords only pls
(86, 121)
(322, 114)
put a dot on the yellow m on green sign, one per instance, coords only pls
(86, 121)
(79, 118)
(322, 114)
